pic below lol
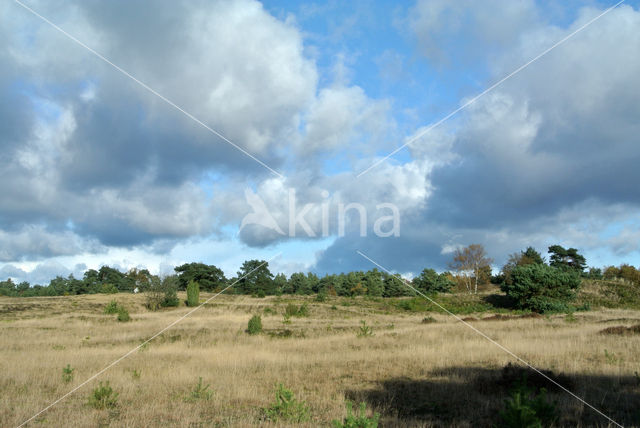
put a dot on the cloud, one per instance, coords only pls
(84, 145)
(548, 157)
(476, 29)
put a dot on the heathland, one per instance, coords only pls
(407, 360)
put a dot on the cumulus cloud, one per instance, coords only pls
(548, 157)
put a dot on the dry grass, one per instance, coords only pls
(415, 374)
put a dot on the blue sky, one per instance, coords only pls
(98, 170)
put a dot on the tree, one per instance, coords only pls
(109, 275)
(209, 277)
(542, 288)
(531, 256)
(471, 262)
(429, 281)
(354, 284)
(568, 259)
(142, 278)
(254, 275)
(280, 283)
(373, 283)
(299, 283)
(394, 286)
(523, 258)
(162, 292)
(314, 281)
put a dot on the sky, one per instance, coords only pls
(151, 135)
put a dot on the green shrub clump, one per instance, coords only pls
(255, 325)
(357, 421)
(67, 373)
(542, 288)
(199, 392)
(193, 293)
(297, 311)
(287, 408)
(111, 308)
(103, 397)
(123, 314)
(162, 294)
(525, 408)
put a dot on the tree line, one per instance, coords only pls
(527, 277)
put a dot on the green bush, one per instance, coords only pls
(103, 397)
(525, 408)
(162, 294)
(287, 408)
(415, 304)
(542, 288)
(67, 373)
(199, 392)
(364, 330)
(123, 314)
(193, 293)
(297, 311)
(321, 296)
(255, 325)
(111, 308)
(357, 421)
(108, 289)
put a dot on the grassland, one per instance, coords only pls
(419, 368)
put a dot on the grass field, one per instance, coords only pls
(417, 369)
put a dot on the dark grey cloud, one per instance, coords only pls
(90, 152)
(562, 132)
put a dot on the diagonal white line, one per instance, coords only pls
(162, 97)
(490, 340)
(116, 361)
(489, 89)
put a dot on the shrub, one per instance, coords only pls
(260, 294)
(162, 294)
(414, 304)
(108, 289)
(286, 319)
(364, 330)
(199, 392)
(321, 296)
(542, 288)
(67, 373)
(103, 397)
(255, 325)
(303, 310)
(357, 421)
(291, 310)
(287, 408)
(111, 308)
(525, 408)
(297, 311)
(193, 294)
(123, 314)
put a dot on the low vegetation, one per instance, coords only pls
(103, 397)
(193, 294)
(255, 325)
(286, 407)
(360, 420)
